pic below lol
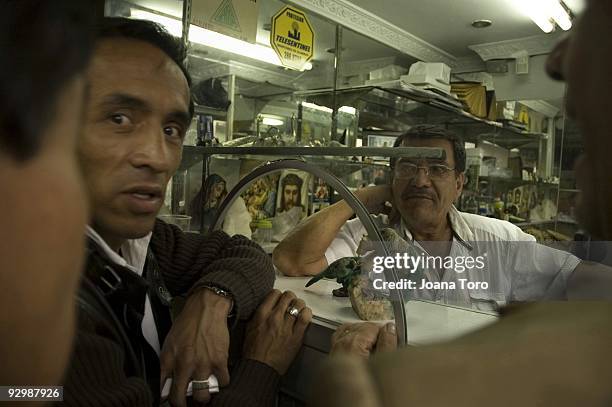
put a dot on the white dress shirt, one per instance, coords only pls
(134, 253)
(516, 267)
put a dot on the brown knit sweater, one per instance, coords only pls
(99, 372)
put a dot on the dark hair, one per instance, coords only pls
(292, 179)
(43, 45)
(425, 132)
(149, 32)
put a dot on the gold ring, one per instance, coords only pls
(200, 384)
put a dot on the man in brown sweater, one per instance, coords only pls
(127, 345)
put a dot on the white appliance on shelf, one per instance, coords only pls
(429, 75)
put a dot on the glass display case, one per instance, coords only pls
(352, 94)
(239, 198)
(269, 146)
(262, 213)
(341, 115)
(506, 175)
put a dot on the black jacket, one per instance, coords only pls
(112, 365)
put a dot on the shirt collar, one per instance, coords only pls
(460, 228)
(134, 251)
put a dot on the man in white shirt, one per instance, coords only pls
(422, 193)
(545, 354)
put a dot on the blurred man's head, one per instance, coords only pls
(139, 113)
(292, 192)
(424, 190)
(584, 60)
(44, 49)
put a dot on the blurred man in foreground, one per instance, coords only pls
(44, 49)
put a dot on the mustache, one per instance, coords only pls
(410, 192)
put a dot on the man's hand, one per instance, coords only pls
(362, 338)
(374, 198)
(197, 346)
(273, 336)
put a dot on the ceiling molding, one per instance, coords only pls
(362, 21)
(469, 64)
(536, 45)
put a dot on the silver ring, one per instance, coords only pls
(200, 385)
(294, 312)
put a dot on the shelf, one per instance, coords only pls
(215, 113)
(502, 180)
(544, 222)
(195, 154)
(410, 107)
(413, 152)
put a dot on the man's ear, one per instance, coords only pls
(460, 181)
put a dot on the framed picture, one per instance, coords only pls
(293, 191)
(321, 195)
(260, 197)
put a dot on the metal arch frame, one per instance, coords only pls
(397, 297)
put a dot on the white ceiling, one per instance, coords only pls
(356, 47)
(447, 23)
(443, 23)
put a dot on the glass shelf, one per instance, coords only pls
(192, 155)
(410, 107)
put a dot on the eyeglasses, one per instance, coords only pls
(408, 170)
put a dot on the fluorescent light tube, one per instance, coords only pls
(537, 10)
(348, 109)
(317, 107)
(545, 13)
(558, 13)
(214, 39)
(173, 25)
(269, 121)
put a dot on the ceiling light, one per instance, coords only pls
(482, 23)
(270, 121)
(558, 13)
(545, 13)
(317, 107)
(214, 39)
(348, 109)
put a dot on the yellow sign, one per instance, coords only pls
(292, 37)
